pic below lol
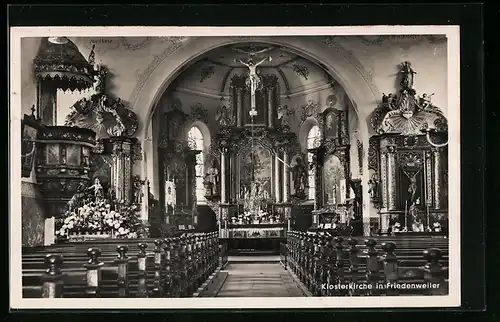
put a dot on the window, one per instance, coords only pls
(313, 141)
(195, 142)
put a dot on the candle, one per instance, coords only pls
(406, 214)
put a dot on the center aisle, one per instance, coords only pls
(256, 279)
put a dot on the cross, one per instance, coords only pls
(253, 78)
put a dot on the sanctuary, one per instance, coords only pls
(253, 138)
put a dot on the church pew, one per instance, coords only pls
(317, 260)
(176, 267)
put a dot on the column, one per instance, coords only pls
(116, 169)
(437, 178)
(383, 178)
(239, 106)
(270, 104)
(145, 201)
(318, 178)
(286, 180)
(277, 178)
(428, 179)
(121, 169)
(127, 176)
(391, 178)
(223, 177)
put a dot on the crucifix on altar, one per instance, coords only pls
(253, 81)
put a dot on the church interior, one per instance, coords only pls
(189, 156)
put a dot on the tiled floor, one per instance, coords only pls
(258, 280)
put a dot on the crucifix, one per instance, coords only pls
(253, 80)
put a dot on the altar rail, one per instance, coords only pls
(328, 267)
(176, 267)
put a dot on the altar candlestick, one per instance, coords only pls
(428, 218)
(406, 214)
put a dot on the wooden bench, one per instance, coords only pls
(330, 266)
(175, 267)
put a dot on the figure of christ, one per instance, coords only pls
(97, 187)
(253, 77)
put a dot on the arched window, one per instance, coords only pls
(195, 142)
(313, 141)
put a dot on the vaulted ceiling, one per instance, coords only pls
(212, 73)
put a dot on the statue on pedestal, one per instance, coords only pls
(408, 75)
(299, 172)
(223, 117)
(212, 179)
(417, 225)
(373, 188)
(284, 113)
(138, 190)
(97, 187)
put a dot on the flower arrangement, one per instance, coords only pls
(101, 218)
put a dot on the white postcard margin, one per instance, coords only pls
(15, 222)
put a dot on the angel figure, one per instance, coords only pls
(388, 100)
(222, 116)
(425, 100)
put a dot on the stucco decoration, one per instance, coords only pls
(349, 56)
(135, 43)
(311, 109)
(172, 45)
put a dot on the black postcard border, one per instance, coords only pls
(473, 127)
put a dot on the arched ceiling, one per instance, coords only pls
(211, 74)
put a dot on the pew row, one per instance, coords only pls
(332, 266)
(175, 267)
